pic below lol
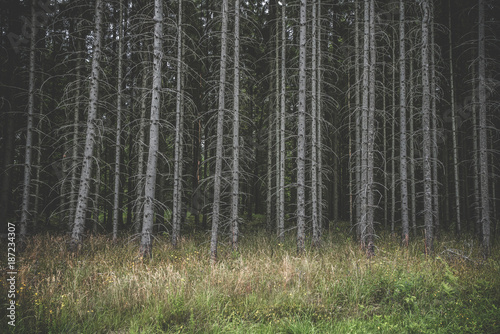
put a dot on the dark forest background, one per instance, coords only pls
(48, 52)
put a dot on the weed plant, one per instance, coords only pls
(263, 288)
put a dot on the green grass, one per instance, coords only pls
(264, 288)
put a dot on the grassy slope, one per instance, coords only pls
(264, 289)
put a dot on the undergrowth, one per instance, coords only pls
(263, 288)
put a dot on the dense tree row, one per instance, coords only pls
(124, 116)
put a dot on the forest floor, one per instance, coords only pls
(263, 288)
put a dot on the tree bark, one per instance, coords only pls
(139, 188)
(281, 206)
(358, 125)
(220, 134)
(413, 191)
(25, 208)
(456, 174)
(116, 194)
(314, 124)
(76, 134)
(370, 229)
(483, 139)
(402, 125)
(364, 126)
(301, 129)
(434, 124)
(150, 184)
(319, 120)
(236, 128)
(178, 149)
(90, 138)
(426, 130)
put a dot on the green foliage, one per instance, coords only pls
(263, 288)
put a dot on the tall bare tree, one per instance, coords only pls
(139, 188)
(236, 129)
(178, 148)
(483, 139)
(456, 176)
(220, 133)
(363, 222)
(319, 120)
(116, 195)
(434, 125)
(154, 124)
(402, 124)
(371, 135)
(90, 137)
(301, 128)
(282, 121)
(314, 126)
(426, 128)
(25, 208)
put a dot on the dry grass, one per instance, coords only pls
(264, 288)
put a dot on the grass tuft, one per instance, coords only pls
(263, 288)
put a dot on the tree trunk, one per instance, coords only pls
(301, 128)
(475, 158)
(116, 194)
(236, 128)
(434, 147)
(314, 124)
(370, 230)
(393, 138)
(426, 130)
(150, 184)
(281, 206)
(76, 134)
(83, 190)
(139, 188)
(220, 134)
(413, 191)
(364, 126)
(456, 175)
(178, 149)
(483, 139)
(358, 120)
(402, 125)
(29, 131)
(319, 120)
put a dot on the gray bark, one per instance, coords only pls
(220, 134)
(456, 175)
(281, 206)
(393, 138)
(74, 152)
(301, 129)
(150, 183)
(116, 195)
(139, 188)
(357, 112)
(413, 200)
(25, 208)
(276, 134)
(426, 130)
(402, 125)
(483, 139)
(314, 124)
(178, 149)
(370, 215)
(236, 128)
(319, 120)
(364, 126)
(434, 125)
(90, 137)
(475, 157)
